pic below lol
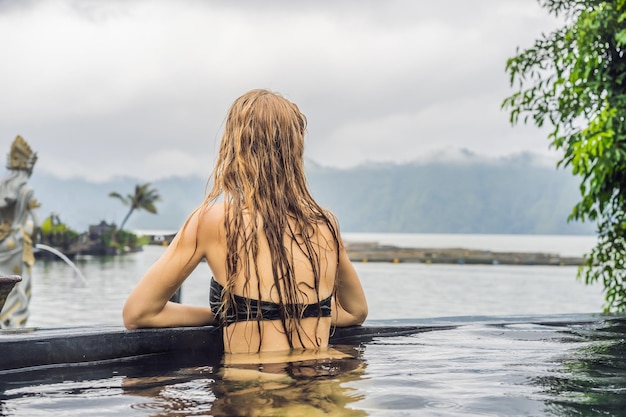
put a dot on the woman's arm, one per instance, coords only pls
(350, 305)
(148, 304)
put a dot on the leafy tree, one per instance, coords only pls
(52, 224)
(574, 79)
(54, 232)
(143, 199)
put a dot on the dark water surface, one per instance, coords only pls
(541, 366)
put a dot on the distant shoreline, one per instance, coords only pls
(360, 250)
(565, 245)
(375, 252)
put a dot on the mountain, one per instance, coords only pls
(515, 195)
(80, 203)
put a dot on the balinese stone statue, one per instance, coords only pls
(18, 230)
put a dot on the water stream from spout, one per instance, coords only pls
(64, 258)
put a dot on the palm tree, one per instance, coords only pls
(143, 199)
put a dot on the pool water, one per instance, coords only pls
(559, 365)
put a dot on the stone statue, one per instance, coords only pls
(18, 230)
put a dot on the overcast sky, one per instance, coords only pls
(141, 88)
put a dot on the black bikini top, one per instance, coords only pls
(259, 310)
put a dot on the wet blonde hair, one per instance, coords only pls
(260, 175)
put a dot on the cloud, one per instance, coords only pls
(111, 88)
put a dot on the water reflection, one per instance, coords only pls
(308, 387)
(591, 379)
(572, 367)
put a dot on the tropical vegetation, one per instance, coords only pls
(57, 234)
(100, 239)
(574, 81)
(103, 238)
(144, 198)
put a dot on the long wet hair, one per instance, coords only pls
(260, 175)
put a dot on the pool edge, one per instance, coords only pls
(25, 349)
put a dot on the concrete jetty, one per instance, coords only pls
(375, 252)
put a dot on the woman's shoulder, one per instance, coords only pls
(331, 220)
(209, 211)
(206, 218)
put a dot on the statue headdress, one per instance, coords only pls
(21, 157)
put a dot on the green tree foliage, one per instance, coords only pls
(143, 199)
(574, 79)
(56, 233)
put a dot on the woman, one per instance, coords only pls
(281, 276)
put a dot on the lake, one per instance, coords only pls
(394, 291)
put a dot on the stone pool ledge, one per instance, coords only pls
(30, 349)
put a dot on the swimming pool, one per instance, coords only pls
(503, 366)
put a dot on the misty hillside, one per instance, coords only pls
(515, 195)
